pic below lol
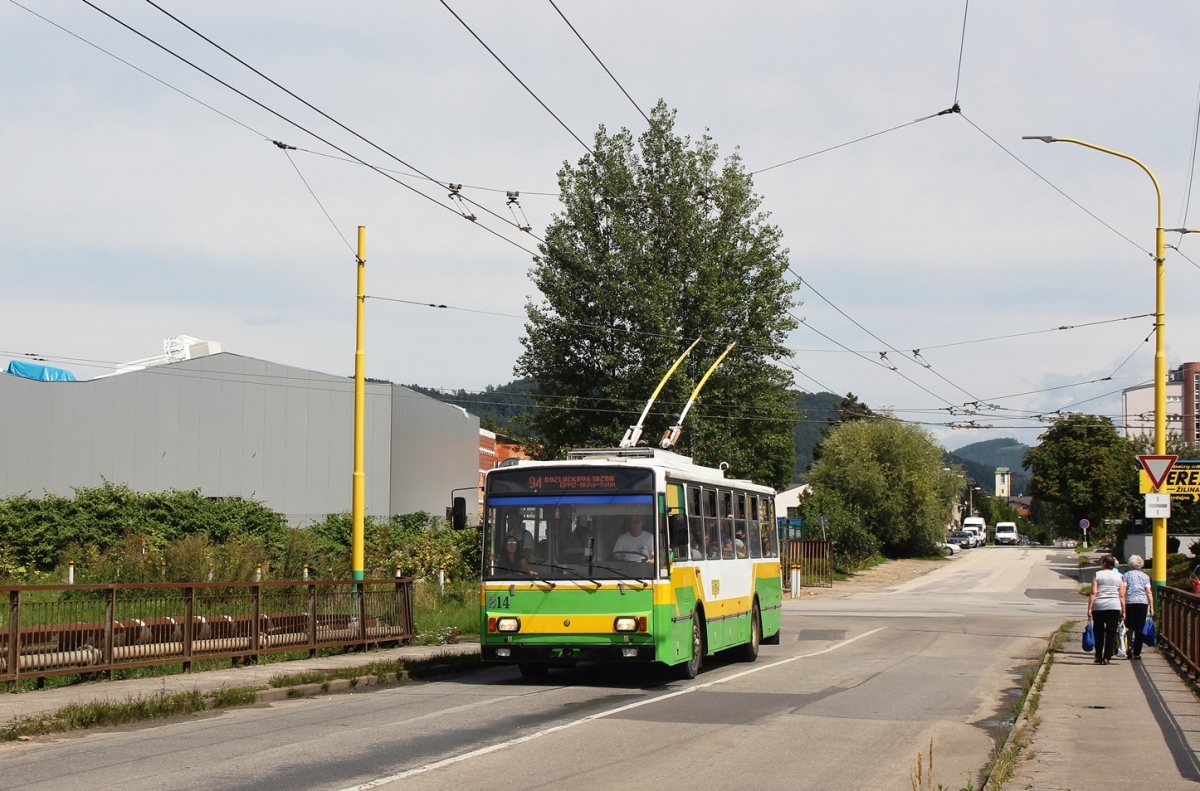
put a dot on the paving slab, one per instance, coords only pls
(1130, 724)
(33, 702)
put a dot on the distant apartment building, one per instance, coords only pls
(1183, 391)
(494, 450)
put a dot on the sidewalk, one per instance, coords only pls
(28, 704)
(1120, 726)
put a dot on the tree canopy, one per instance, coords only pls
(890, 473)
(659, 243)
(1086, 469)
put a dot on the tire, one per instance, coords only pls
(691, 668)
(748, 652)
(533, 671)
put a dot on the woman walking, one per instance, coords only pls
(1139, 603)
(1106, 606)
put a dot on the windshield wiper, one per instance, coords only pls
(577, 574)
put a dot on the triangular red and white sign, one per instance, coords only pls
(1157, 467)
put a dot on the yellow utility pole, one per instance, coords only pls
(360, 400)
(1159, 536)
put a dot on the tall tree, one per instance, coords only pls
(891, 474)
(1086, 469)
(659, 243)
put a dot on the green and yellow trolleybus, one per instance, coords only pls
(630, 555)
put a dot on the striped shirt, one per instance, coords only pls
(1136, 582)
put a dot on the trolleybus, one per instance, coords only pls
(628, 555)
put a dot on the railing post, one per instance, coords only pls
(14, 636)
(110, 612)
(255, 626)
(362, 614)
(189, 612)
(312, 618)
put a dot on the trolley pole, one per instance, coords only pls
(360, 400)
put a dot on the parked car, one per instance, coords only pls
(961, 539)
(949, 549)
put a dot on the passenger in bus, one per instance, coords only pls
(726, 546)
(511, 559)
(739, 541)
(635, 543)
(694, 549)
(518, 533)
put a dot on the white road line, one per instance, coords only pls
(600, 715)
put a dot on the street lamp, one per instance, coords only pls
(971, 499)
(1159, 572)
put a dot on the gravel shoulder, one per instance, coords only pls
(885, 575)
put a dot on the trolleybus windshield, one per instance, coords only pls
(572, 524)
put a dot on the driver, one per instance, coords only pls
(635, 543)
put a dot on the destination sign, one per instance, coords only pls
(569, 480)
(1183, 478)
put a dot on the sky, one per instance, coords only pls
(141, 200)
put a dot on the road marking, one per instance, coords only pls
(599, 715)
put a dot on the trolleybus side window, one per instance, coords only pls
(675, 509)
(712, 539)
(739, 526)
(726, 525)
(769, 531)
(753, 535)
(696, 521)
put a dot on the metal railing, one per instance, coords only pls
(815, 561)
(1179, 627)
(51, 630)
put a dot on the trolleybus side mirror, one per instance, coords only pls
(678, 526)
(458, 519)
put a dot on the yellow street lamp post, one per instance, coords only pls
(1159, 571)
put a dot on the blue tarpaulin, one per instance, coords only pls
(42, 373)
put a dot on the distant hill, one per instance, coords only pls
(495, 405)
(980, 460)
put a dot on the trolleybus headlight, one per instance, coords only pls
(626, 623)
(508, 624)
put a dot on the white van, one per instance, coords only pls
(976, 527)
(1006, 533)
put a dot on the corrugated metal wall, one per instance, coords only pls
(235, 426)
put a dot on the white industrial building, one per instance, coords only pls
(234, 426)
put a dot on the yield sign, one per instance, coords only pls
(1157, 467)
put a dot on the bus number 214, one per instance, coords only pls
(496, 601)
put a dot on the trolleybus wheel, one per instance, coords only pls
(691, 668)
(533, 671)
(748, 652)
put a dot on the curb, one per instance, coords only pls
(1023, 720)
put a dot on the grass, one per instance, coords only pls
(99, 714)
(442, 616)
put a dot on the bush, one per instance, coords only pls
(853, 545)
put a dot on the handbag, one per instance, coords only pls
(1121, 632)
(1149, 635)
(1089, 636)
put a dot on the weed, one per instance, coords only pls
(98, 714)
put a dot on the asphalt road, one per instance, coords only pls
(858, 686)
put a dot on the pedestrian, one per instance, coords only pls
(1139, 603)
(1106, 606)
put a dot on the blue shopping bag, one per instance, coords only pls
(1089, 637)
(1149, 635)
